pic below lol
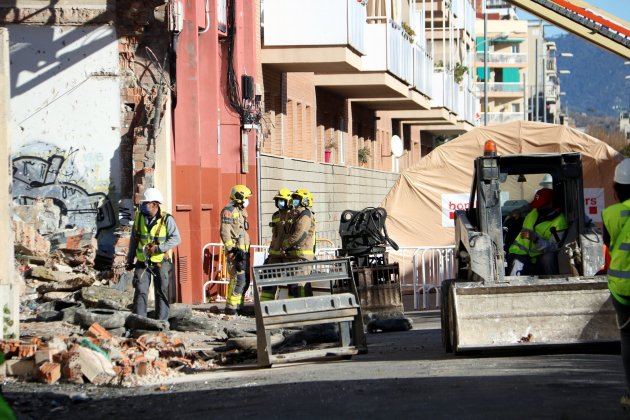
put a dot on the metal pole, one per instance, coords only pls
(544, 92)
(485, 64)
(536, 81)
(525, 96)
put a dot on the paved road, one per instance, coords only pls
(404, 375)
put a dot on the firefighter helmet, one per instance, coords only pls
(304, 195)
(239, 193)
(283, 199)
(284, 194)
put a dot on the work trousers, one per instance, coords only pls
(142, 276)
(545, 264)
(238, 271)
(623, 323)
(270, 292)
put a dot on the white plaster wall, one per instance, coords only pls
(65, 119)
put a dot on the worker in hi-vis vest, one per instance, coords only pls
(299, 242)
(279, 219)
(234, 227)
(535, 249)
(154, 236)
(617, 240)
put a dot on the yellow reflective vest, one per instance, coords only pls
(157, 235)
(522, 246)
(617, 221)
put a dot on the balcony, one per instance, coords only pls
(503, 89)
(466, 104)
(388, 80)
(443, 90)
(502, 117)
(503, 59)
(313, 36)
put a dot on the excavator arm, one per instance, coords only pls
(583, 20)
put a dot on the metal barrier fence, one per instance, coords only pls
(422, 269)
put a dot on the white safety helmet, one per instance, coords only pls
(152, 194)
(547, 181)
(622, 172)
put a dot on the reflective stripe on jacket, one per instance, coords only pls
(522, 246)
(234, 227)
(617, 221)
(157, 234)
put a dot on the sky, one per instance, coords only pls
(619, 8)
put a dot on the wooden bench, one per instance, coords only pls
(324, 307)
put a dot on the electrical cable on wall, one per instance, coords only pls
(247, 109)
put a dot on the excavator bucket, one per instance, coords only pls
(530, 312)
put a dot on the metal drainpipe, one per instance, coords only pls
(204, 30)
(258, 188)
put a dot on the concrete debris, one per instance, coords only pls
(100, 358)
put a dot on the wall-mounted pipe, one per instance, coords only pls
(204, 30)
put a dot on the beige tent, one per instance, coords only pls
(420, 205)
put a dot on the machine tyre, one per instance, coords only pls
(445, 289)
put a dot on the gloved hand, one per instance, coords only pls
(530, 234)
(150, 248)
(130, 266)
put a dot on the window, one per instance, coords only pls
(516, 108)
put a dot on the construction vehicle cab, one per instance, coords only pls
(485, 307)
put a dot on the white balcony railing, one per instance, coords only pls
(503, 87)
(422, 71)
(389, 49)
(502, 117)
(311, 23)
(444, 89)
(503, 58)
(466, 102)
(399, 52)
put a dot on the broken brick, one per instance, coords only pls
(50, 372)
(26, 351)
(98, 332)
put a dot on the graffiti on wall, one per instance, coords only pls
(56, 177)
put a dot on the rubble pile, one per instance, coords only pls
(100, 358)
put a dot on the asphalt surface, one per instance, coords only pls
(404, 375)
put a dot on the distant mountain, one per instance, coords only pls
(597, 83)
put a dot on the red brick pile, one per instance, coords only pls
(99, 358)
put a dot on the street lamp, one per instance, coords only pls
(564, 71)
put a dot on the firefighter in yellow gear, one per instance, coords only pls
(234, 227)
(278, 223)
(299, 241)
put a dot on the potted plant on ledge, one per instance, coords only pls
(363, 154)
(330, 145)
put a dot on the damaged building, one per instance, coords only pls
(108, 98)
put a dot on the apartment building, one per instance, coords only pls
(502, 78)
(543, 88)
(342, 80)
